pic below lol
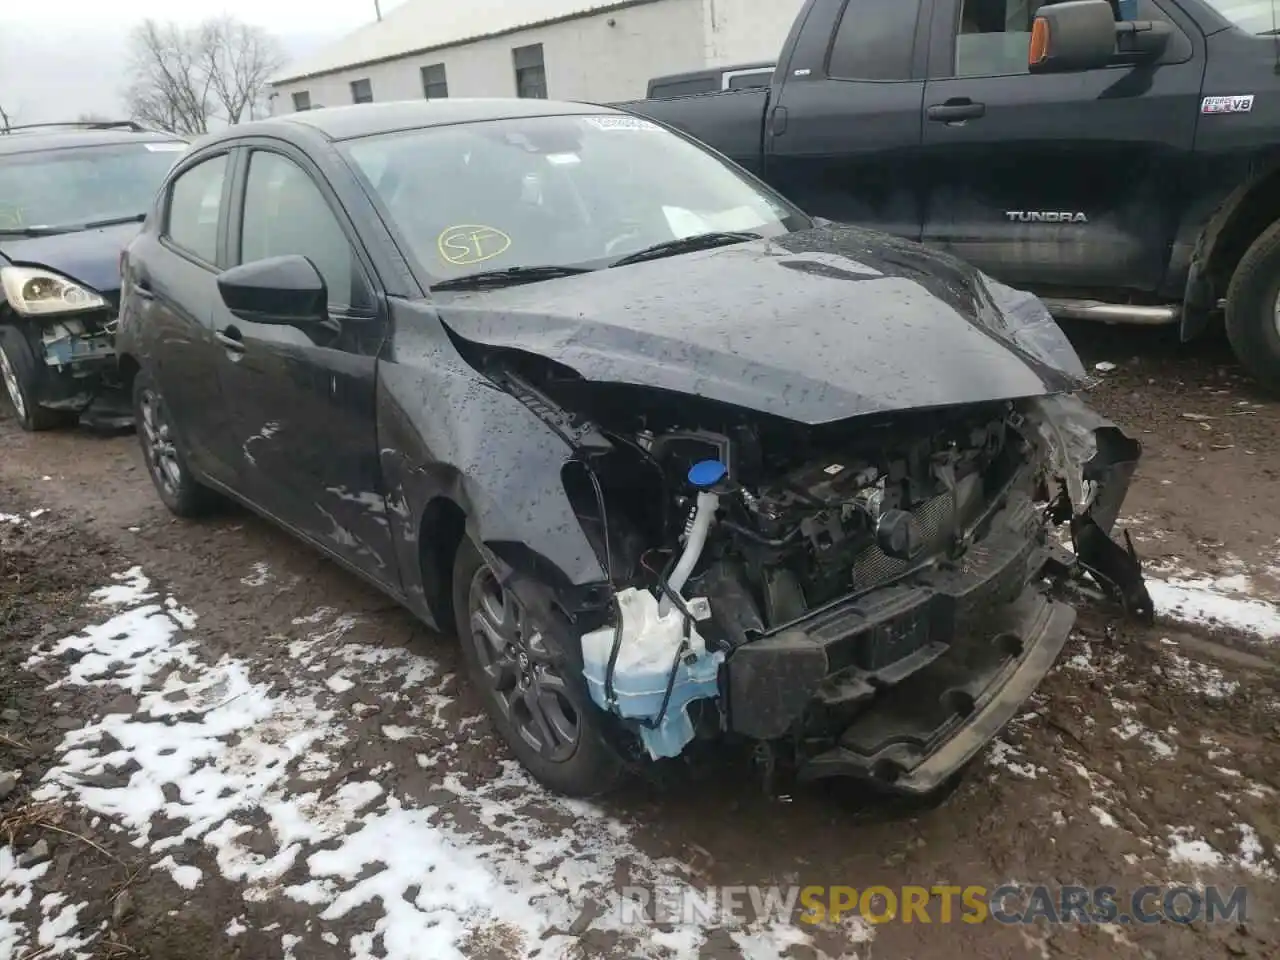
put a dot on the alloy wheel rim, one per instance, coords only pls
(157, 437)
(10, 377)
(525, 684)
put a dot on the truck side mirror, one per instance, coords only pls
(1084, 35)
(1071, 36)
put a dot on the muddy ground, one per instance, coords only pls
(1149, 757)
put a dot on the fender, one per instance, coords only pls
(1199, 291)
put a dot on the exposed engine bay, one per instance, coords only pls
(805, 527)
(864, 597)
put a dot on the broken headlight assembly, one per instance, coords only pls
(35, 292)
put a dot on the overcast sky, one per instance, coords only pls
(62, 58)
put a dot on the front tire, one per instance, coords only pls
(180, 491)
(535, 697)
(1253, 310)
(21, 377)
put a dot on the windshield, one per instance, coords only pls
(72, 186)
(556, 191)
(1252, 16)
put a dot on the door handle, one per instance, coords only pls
(955, 111)
(142, 287)
(231, 338)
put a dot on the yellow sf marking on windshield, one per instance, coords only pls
(470, 243)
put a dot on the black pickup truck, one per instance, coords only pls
(1125, 165)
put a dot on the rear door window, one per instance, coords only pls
(875, 40)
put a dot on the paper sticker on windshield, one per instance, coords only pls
(166, 147)
(1242, 103)
(622, 123)
(470, 243)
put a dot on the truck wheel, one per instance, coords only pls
(541, 709)
(180, 491)
(1253, 310)
(21, 375)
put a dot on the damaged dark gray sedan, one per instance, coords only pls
(679, 464)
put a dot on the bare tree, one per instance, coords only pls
(5, 120)
(239, 60)
(186, 81)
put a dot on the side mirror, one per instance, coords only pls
(1084, 35)
(1072, 36)
(279, 290)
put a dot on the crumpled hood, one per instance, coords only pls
(90, 257)
(815, 327)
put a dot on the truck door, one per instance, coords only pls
(1056, 182)
(843, 139)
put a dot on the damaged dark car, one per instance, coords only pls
(680, 465)
(71, 196)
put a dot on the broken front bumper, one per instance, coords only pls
(930, 669)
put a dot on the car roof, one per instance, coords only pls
(368, 119)
(36, 141)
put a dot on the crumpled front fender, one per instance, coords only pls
(1094, 457)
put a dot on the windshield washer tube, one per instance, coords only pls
(704, 515)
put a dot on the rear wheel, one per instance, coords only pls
(534, 695)
(1253, 310)
(180, 491)
(21, 376)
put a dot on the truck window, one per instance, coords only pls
(992, 36)
(682, 88)
(874, 40)
(750, 79)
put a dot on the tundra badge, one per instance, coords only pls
(1044, 216)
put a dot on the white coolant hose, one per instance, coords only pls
(704, 515)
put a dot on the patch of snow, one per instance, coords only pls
(1083, 661)
(236, 927)
(1197, 677)
(1186, 847)
(54, 937)
(1251, 855)
(131, 588)
(10, 518)
(259, 577)
(338, 683)
(1103, 816)
(1222, 602)
(1002, 755)
(1130, 728)
(37, 514)
(225, 762)
(187, 877)
(392, 732)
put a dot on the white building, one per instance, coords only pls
(599, 50)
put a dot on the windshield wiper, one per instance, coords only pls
(112, 221)
(45, 230)
(508, 278)
(670, 248)
(30, 231)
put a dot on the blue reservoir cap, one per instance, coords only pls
(707, 473)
